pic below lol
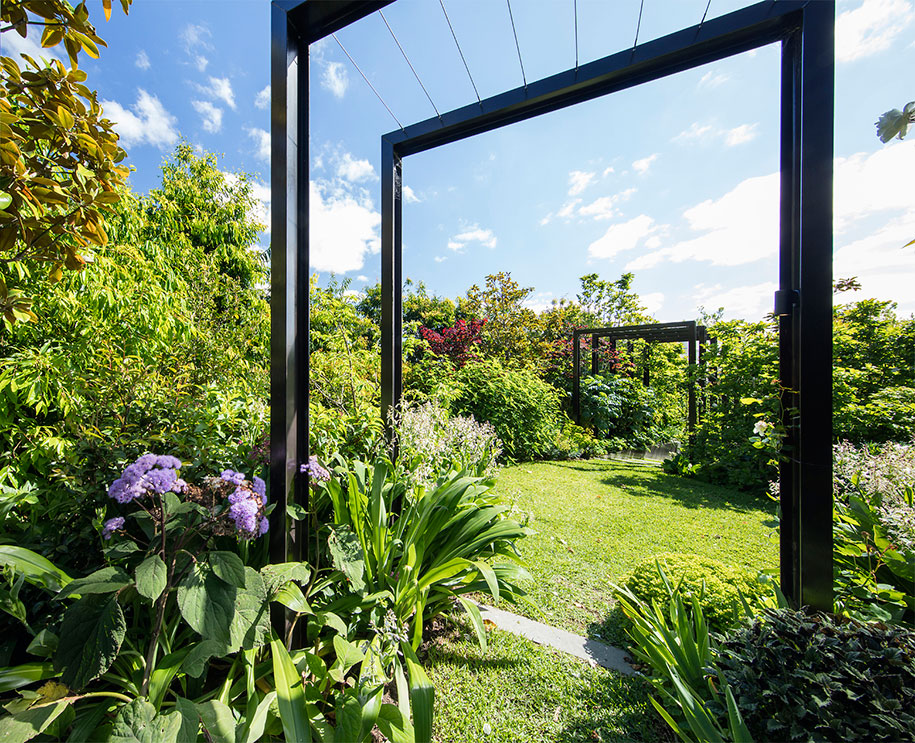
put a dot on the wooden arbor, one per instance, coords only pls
(670, 332)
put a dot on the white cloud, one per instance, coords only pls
(871, 27)
(262, 99)
(568, 209)
(740, 134)
(713, 79)
(652, 301)
(539, 302)
(607, 171)
(260, 193)
(745, 302)
(740, 227)
(343, 229)
(472, 234)
(147, 122)
(441, 258)
(220, 89)
(879, 182)
(622, 236)
(201, 62)
(195, 36)
(14, 44)
(605, 206)
(409, 195)
(363, 279)
(142, 60)
(641, 166)
(707, 133)
(355, 170)
(210, 114)
(335, 78)
(695, 131)
(579, 180)
(262, 143)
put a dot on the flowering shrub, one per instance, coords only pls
(431, 442)
(456, 342)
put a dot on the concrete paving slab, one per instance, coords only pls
(593, 651)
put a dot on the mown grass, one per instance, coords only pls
(594, 521)
(519, 691)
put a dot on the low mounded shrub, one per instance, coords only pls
(716, 585)
(800, 677)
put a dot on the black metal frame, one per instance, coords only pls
(806, 33)
(666, 332)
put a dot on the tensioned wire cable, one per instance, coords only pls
(454, 36)
(699, 30)
(377, 94)
(412, 69)
(575, 5)
(517, 45)
(638, 27)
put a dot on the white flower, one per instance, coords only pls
(761, 427)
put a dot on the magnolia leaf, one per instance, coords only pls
(5, 199)
(138, 722)
(152, 576)
(90, 638)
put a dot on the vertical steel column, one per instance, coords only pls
(576, 377)
(691, 380)
(804, 306)
(595, 361)
(391, 279)
(289, 287)
(646, 359)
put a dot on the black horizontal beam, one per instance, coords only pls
(315, 19)
(661, 332)
(740, 31)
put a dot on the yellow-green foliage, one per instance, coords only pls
(717, 585)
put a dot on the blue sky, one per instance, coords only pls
(674, 180)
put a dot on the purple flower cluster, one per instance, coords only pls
(148, 474)
(246, 504)
(111, 526)
(315, 470)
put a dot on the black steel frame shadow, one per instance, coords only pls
(686, 331)
(805, 31)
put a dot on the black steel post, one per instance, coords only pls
(576, 376)
(391, 279)
(691, 379)
(595, 361)
(813, 337)
(289, 288)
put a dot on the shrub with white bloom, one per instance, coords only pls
(760, 427)
(432, 443)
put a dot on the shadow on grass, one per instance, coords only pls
(611, 629)
(647, 479)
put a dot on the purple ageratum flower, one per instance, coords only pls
(260, 488)
(148, 473)
(180, 486)
(265, 525)
(244, 513)
(232, 476)
(111, 526)
(315, 470)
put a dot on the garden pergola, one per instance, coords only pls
(803, 303)
(665, 332)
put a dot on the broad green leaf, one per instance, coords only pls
(190, 720)
(348, 556)
(15, 677)
(25, 725)
(90, 638)
(196, 660)
(138, 722)
(290, 694)
(229, 567)
(106, 580)
(255, 719)
(279, 573)
(296, 511)
(152, 576)
(348, 654)
(422, 695)
(291, 597)
(394, 725)
(218, 721)
(161, 678)
(37, 570)
(5, 199)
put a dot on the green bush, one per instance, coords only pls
(522, 408)
(800, 677)
(624, 411)
(887, 415)
(716, 585)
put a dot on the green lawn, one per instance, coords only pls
(594, 521)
